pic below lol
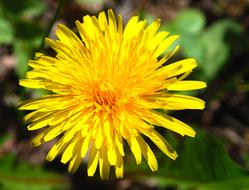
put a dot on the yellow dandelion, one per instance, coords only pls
(108, 87)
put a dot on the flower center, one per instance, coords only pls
(106, 96)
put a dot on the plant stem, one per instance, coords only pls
(51, 23)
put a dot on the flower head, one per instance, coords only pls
(108, 87)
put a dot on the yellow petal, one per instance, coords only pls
(85, 145)
(35, 83)
(48, 103)
(112, 20)
(135, 148)
(70, 150)
(178, 101)
(156, 40)
(177, 68)
(108, 131)
(66, 35)
(151, 30)
(148, 154)
(56, 150)
(166, 44)
(35, 115)
(99, 139)
(47, 135)
(119, 143)
(172, 102)
(74, 163)
(85, 130)
(38, 140)
(104, 166)
(102, 20)
(161, 143)
(69, 135)
(92, 161)
(112, 155)
(133, 28)
(119, 167)
(170, 123)
(187, 85)
(52, 132)
(168, 55)
(120, 25)
(40, 123)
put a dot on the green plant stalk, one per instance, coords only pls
(51, 23)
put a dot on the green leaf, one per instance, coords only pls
(241, 183)
(189, 24)
(4, 138)
(202, 158)
(217, 46)
(193, 47)
(22, 51)
(26, 8)
(28, 30)
(6, 162)
(21, 175)
(28, 42)
(190, 21)
(203, 164)
(33, 8)
(6, 31)
(212, 47)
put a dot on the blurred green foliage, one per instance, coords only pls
(211, 46)
(20, 175)
(202, 164)
(88, 1)
(23, 175)
(7, 30)
(19, 29)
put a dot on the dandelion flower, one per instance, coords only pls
(108, 86)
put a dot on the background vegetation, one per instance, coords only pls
(213, 32)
